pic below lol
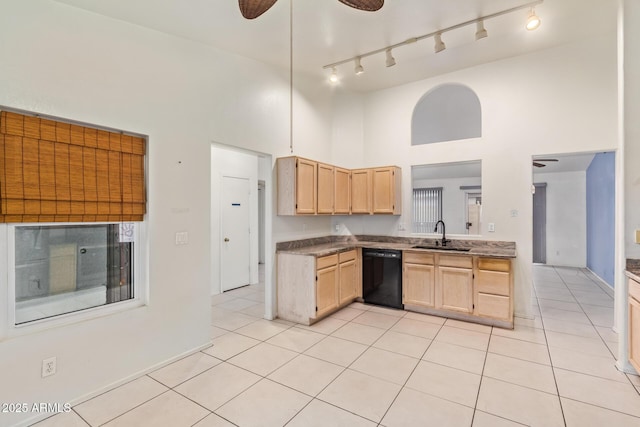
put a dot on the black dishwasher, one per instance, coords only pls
(382, 277)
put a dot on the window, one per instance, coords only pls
(427, 209)
(70, 193)
(61, 269)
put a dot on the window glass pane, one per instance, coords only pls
(62, 269)
(427, 209)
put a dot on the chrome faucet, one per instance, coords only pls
(444, 237)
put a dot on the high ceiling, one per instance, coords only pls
(326, 31)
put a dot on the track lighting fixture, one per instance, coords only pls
(359, 68)
(481, 32)
(333, 78)
(439, 46)
(391, 61)
(533, 22)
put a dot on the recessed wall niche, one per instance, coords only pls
(447, 112)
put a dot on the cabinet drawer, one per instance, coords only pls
(495, 306)
(494, 264)
(493, 282)
(347, 256)
(326, 261)
(634, 289)
(456, 261)
(418, 258)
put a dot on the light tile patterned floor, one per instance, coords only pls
(368, 366)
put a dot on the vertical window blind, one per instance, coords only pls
(427, 209)
(53, 171)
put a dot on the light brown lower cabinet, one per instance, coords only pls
(327, 279)
(634, 324)
(347, 277)
(472, 288)
(310, 288)
(418, 279)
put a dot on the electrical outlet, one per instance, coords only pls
(49, 367)
(492, 227)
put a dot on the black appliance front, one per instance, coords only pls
(382, 277)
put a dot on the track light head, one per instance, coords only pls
(439, 46)
(359, 68)
(333, 78)
(391, 61)
(533, 21)
(481, 32)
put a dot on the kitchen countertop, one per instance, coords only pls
(633, 269)
(331, 245)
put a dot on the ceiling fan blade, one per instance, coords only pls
(251, 9)
(546, 160)
(368, 5)
(538, 165)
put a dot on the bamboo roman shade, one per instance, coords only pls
(59, 172)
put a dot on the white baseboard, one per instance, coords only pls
(602, 284)
(116, 384)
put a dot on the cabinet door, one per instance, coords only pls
(325, 188)
(306, 186)
(347, 281)
(455, 286)
(327, 290)
(383, 191)
(361, 191)
(418, 285)
(634, 333)
(342, 192)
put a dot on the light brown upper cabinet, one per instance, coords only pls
(342, 192)
(297, 186)
(361, 188)
(387, 189)
(326, 188)
(306, 187)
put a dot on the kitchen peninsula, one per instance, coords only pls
(470, 280)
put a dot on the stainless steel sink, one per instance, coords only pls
(442, 248)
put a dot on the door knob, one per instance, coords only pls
(226, 239)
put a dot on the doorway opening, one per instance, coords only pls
(241, 232)
(574, 212)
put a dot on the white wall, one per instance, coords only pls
(553, 101)
(566, 217)
(65, 62)
(631, 93)
(232, 163)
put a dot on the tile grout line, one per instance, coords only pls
(553, 372)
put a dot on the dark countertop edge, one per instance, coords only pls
(632, 269)
(330, 249)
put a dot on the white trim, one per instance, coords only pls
(602, 284)
(116, 384)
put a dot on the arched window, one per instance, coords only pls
(448, 112)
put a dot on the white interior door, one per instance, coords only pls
(234, 231)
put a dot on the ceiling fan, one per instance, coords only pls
(251, 9)
(536, 162)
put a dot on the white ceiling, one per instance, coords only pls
(326, 31)
(566, 163)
